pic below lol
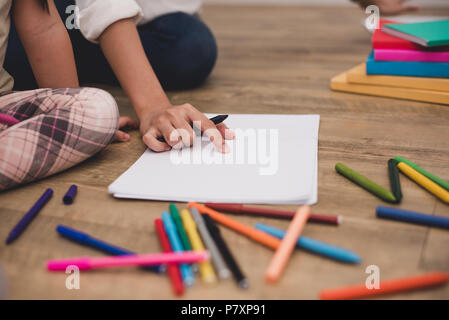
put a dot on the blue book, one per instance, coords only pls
(413, 69)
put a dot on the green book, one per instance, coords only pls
(428, 34)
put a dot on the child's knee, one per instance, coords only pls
(100, 113)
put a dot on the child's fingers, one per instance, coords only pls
(128, 122)
(169, 133)
(150, 139)
(226, 133)
(209, 129)
(185, 130)
(121, 136)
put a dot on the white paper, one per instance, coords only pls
(279, 167)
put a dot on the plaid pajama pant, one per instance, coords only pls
(58, 129)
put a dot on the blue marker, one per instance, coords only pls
(412, 217)
(86, 240)
(315, 246)
(172, 233)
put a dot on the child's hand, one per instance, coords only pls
(163, 122)
(125, 122)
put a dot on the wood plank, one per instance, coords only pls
(272, 59)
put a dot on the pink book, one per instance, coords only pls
(410, 55)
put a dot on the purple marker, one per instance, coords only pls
(26, 220)
(70, 195)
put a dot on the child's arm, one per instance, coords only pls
(46, 43)
(123, 49)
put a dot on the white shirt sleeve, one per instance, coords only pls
(96, 15)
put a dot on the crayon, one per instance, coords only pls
(269, 212)
(172, 269)
(425, 173)
(206, 270)
(170, 227)
(386, 287)
(424, 182)
(31, 214)
(242, 281)
(252, 233)
(283, 253)
(412, 217)
(87, 263)
(395, 183)
(216, 257)
(366, 183)
(89, 241)
(314, 246)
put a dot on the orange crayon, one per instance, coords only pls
(250, 232)
(386, 287)
(288, 243)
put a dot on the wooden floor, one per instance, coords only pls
(271, 60)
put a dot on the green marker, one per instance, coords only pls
(181, 231)
(395, 184)
(366, 183)
(441, 182)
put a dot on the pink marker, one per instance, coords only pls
(87, 263)
(8, 120)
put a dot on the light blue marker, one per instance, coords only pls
(186, 270)
(315, 246)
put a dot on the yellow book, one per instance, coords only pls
(340, 83)
(358, 75)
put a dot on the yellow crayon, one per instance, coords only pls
(424, 182)
(206, 269)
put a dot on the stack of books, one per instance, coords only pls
(408, 61)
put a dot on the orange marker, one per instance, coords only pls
(288, 243)
(252, 233)
(386, 287)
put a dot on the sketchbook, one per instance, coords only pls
(272, 160)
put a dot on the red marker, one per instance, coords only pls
(274, 213)
(172, 269)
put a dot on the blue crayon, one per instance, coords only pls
(88, 241)
(31, 214)
(412, 217)
(172, 233)
(314, 246)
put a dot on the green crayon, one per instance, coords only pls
(181, 231)
(395, 184)
(366, 183)
(441, 182)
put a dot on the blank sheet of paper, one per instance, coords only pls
(273, 160)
